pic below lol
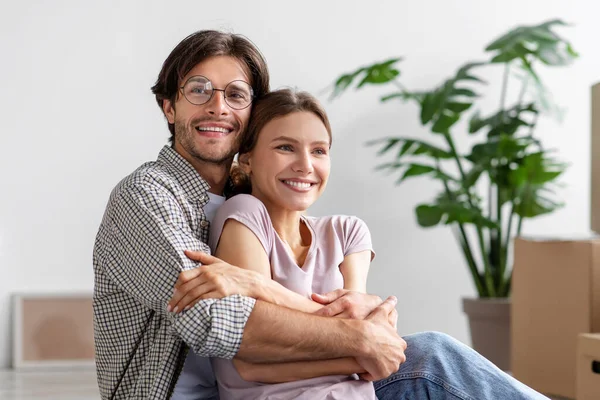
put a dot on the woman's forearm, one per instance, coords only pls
(295, 371)
(274, 293)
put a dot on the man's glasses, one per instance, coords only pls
(199, 90)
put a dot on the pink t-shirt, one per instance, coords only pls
(333, 238)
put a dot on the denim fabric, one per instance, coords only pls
(440, 367)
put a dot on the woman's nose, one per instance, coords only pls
(303, 164)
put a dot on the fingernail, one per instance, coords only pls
(176, 309)
(394, 299)
(187, 308)
(168, 308)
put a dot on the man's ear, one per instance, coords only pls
(244, 161)
(169, 110)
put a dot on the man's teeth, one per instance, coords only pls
(213, 129)
(303, 185)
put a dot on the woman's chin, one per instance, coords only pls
(297, 204)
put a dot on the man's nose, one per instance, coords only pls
(217, 104)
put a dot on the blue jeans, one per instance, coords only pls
(440, 367)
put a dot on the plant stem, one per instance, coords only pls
(466, 248)
(504, 260)
(464, 244)
(489, 283)
(400, 85)
(499, 253)
(519, 225)
(522, 92)
(504, 85)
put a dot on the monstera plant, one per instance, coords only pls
(508, 175)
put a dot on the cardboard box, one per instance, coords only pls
(595, 158)
(588, 367)
(555, 297)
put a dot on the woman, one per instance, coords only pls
(283, 169)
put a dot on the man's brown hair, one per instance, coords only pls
(199, 46)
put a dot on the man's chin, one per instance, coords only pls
(214, 158)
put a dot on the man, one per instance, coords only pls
(163, 209)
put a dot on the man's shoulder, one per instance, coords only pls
(151, 175)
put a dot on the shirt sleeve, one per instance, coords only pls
(148, 234)
(356, 236)
(249, 211)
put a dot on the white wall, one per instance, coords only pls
(77, 115)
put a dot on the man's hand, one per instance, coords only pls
(214, 279)
(344, 303)
(386, 347)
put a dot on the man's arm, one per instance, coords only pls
(296, 371)
(143, 254)
(277, 334)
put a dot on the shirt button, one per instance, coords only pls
(204, 223)
(203, 197)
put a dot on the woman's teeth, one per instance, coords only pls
(303, 185)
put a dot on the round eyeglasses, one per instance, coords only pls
(199, 90)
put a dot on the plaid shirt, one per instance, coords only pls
(152, 216)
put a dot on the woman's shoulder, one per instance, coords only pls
(338, 222)
(247, 210)
(242, 204)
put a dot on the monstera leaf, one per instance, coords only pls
(375, 74)
(505, 174)
(504, 122)
(530, 43)
(443, 106)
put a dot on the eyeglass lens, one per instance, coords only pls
(199, 90)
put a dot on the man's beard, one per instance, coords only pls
(185, 136)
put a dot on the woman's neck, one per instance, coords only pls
(288, 226)
(290, 229)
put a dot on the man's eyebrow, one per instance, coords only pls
(291, 139)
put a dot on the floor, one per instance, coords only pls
(60, 385)
(63, 385)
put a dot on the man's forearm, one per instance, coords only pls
(279, 334)
(297, 370)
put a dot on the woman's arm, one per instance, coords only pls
(355, 269)
(239, 246)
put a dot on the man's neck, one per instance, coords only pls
(216, 175)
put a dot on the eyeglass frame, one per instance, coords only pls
(252, 96)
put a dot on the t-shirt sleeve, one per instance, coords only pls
(356, 236)
(249, 211)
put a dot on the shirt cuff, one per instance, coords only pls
(228, 320)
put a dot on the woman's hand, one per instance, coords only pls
(214, 279)
(344, 303)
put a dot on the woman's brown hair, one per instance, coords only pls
(276, 104)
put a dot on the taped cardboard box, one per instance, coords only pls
(588, 367)
(595, 159)
(555, 297)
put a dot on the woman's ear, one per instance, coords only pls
(244, 161)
